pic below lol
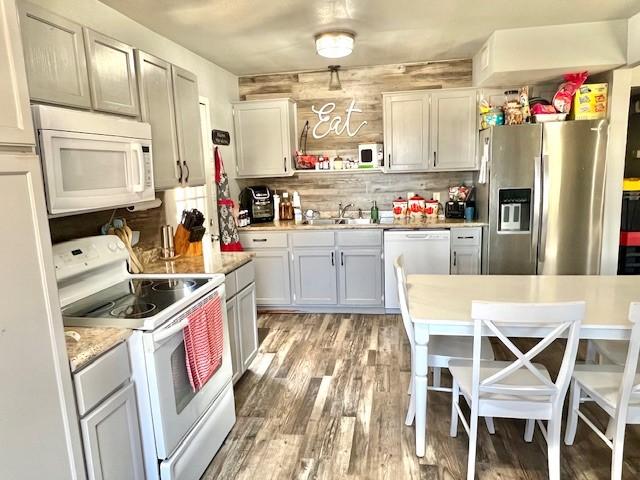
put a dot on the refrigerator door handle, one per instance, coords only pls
(544, 217)
(537, 191)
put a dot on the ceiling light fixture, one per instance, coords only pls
(335, 44)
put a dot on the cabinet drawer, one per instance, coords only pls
(230, 284)
(245, 275)
(313, 239)
(364, 238)
(254, 240)
(466, 236)
(101, 377)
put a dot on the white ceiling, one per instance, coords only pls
(267, 36)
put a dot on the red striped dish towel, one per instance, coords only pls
(204, 342)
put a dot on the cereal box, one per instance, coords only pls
(590, 102)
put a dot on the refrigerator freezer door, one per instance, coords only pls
(514, 152)
(573, 168)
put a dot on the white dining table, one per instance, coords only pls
(441, 305)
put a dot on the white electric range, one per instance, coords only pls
(181, 429)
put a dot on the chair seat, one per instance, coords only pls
(462, 370)
(443, 348)
(614, 350)
(602, 383)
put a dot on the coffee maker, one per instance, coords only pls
(258, 201)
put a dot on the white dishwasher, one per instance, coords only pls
(425, 251)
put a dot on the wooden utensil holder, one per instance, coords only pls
(182, 244)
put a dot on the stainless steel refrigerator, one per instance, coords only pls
(541, 192)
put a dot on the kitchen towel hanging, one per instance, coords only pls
(204, 342)
(229, 238)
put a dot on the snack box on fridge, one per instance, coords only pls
(590, 102)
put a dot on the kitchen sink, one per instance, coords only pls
(337, 221)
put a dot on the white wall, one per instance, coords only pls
(214, 82)
(633, 40)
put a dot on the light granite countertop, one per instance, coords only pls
(91, 342)
(387, 224)
(211, 261)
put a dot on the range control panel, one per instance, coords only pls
(85, 254)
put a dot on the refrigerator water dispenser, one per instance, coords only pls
(515, 210)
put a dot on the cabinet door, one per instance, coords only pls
(112, 438)
(187, 104)
(465, 260)
(406, 132)
(55, 58)
(112, 74)
(272, 277)
(314, 276)
(156, 108)
(234, 341)
(454, 131)
(262, 138)
(247, 325)
(360, 276)
(37, 407)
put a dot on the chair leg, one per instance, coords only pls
(611, 429)
(455, 397)
(618, 449)
(572, 416)
(473, 440)
(437, 372)
(592, 352)
(529, 429)
(490, 426)
(411, 410)
(553, 444)
(410, 389)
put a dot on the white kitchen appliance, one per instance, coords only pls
(181, 429)
(425, 252)
(370, 154)
(92, 161)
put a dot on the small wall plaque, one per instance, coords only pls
(220, 137)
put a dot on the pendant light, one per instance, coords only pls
(334, 78)
(336, 44)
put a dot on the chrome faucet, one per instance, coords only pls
(342, 210)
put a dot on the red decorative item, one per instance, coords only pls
(229, 238)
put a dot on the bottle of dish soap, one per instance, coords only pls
(375, 213)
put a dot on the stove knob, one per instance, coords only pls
(121, 246)
(112, 246)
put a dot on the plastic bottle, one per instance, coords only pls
(375, 213)
(297, 207)
(286, 209)
(276, 207)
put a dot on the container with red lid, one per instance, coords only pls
(400, 206)
(416, 207)
(431, 209)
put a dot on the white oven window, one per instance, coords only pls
(105, 170)
(183, 393)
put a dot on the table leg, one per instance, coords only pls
(420, 385)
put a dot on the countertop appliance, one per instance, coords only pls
(92, 161)
(258, 201)
(543, 197)
(454, 209)
(370, 155)
(181, 429)
(425, 251)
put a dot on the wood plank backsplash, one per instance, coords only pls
(363, 84)
(323, 191)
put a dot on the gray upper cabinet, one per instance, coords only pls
(360, 276)
(314, 276)
(453, 129)
(265, 135)
(156, 107)
(406, 131)
(55, 58)
(15, 116)
(112, 74)
(187, 107)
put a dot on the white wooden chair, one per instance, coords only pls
(442, 349)
(607, 351)
(517, 389)
(613, 388)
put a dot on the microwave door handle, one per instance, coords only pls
(136, 151)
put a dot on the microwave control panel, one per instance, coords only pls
(148, 166)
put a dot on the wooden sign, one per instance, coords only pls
(220, 137)
(328, 122)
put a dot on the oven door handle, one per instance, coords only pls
(165, 333)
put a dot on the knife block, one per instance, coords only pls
(182, 244)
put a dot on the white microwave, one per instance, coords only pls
(92, 161)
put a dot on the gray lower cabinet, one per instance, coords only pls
(466, 251)
(247, 325)
(232, 320)
(272, 277)
(112, 74)
(54, 57)
(111, 438)
(314, 276)
(360, 275)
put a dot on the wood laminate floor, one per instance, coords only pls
(326, 398)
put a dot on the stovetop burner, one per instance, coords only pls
(136, 298)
